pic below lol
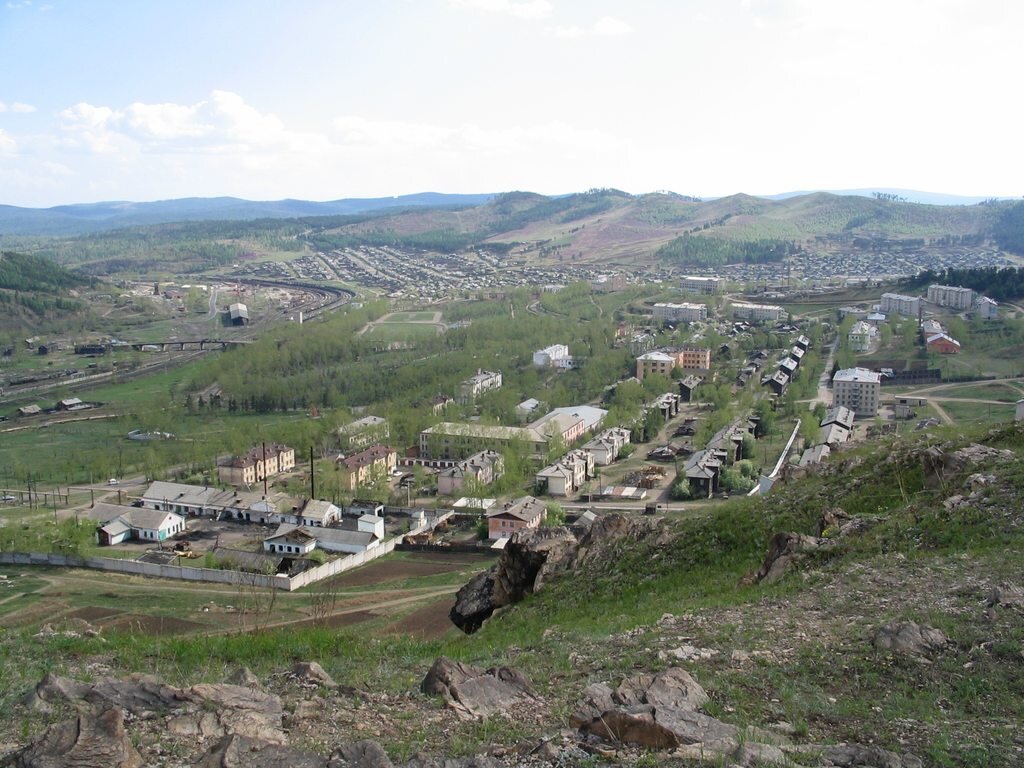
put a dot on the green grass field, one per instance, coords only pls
(978, 413)
(411, 317)
(402, 331)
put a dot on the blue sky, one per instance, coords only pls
(322, 100)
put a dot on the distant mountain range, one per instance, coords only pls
(86, 218)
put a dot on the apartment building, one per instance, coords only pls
(857, 389)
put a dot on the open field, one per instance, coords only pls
(412, 317)
(403, 331)
(406, 592)
(967, 412)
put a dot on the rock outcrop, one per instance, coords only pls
(785, 549)
(536, 556)
(473, 692)
(86, 741)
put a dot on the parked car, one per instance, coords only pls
(112, 481)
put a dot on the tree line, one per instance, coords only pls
(695, 250)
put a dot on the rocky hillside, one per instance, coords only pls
(871, 614)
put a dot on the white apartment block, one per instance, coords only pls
(483, 381)
(857, 389)
(986, 308)
(685, 312)
(691, 284)
(744, 311)
(951, 296)
(895, 303)
(860, 336)
(549, 356)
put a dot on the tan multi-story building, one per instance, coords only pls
(524, 512)
(857, 389)
(664, 361)
(256, 464)
(362, 468)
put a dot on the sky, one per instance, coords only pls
(113, 100)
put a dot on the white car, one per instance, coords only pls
(112, 481)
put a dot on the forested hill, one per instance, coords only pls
(27, 273)
(33, 288)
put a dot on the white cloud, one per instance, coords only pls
(609, 26)
(606, 26)
(523, 9)
(568, 33)
(165, 121)
(7, 144)
(16, 106)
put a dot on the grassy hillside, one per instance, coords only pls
(929, 548)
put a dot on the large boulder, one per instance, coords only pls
(908, 638)
(242, 711)
(87, 741)
(473, 692)
(654, 711)
(140, 695)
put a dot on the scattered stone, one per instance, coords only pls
(860, 756)
(236, 751)
(360, 754)
(831, 520)
(244, 676)
(688, 653)
(751, 753)
(310, 671)
(84, 742)
(909, 638)
(1005, 594)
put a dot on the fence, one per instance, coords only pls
(190, 573)
(182, 572)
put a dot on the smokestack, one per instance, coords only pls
(264, 469)
(312, 475)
